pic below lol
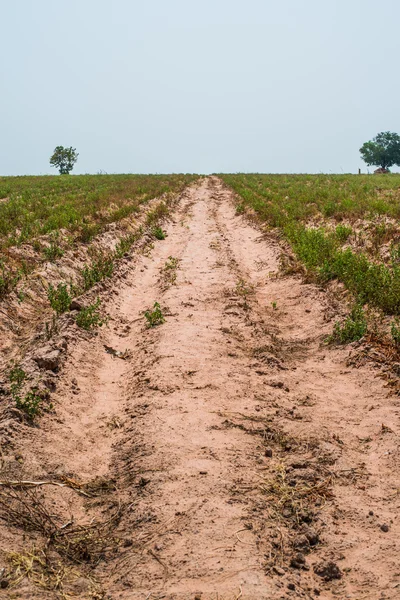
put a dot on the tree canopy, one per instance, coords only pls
(64, 159)
(383, 151)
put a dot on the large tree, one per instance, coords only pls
(383, 151)
(64, 159)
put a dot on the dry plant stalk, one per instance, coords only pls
(64, 545)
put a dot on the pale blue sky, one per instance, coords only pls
(196, 85)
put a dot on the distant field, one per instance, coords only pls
(343, 227)
(52, 213)
(34, 206)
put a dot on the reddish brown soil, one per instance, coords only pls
(220, 421)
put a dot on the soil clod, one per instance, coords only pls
(328, 570)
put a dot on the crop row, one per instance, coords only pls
(50, 214)
(294, 203)
(279, 198)
(34, 206)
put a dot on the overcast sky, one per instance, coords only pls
(197, 85)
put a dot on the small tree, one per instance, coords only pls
(64, 159)
(383, 151)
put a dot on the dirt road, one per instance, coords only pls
(245, 457)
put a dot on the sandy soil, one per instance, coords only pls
(247, 459)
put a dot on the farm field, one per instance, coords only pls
(67, 210)
(34, 206)
(340, 227)
(199, 387)
(60, 236)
